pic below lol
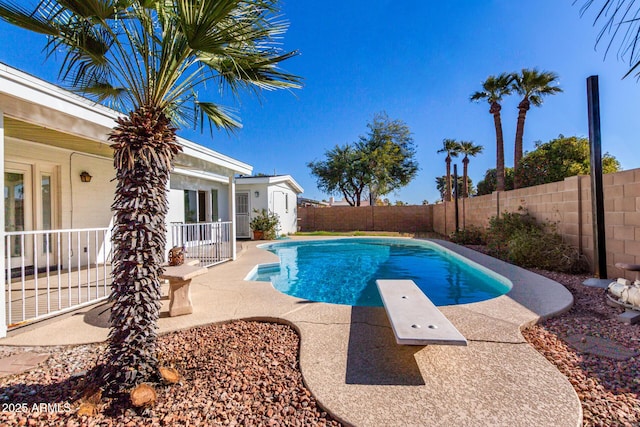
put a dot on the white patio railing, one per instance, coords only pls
(52, 271)
(208, 242)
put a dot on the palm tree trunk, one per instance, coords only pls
(523, 107)
(448, 189)
(495, 110)
(144, 145)
(465, 184)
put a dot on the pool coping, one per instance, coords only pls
(356, 371)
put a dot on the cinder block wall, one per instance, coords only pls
(366, 218)
(567, 204)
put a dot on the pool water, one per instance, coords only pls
(344, 271)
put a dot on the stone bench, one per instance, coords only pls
(179, 278)
(414, 318)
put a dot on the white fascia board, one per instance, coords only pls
(202, 175)
(198, 151)
(23, 86)
(288, 179)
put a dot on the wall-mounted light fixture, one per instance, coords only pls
(256, 193)
(85, 177)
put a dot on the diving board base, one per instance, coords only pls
(415, 320)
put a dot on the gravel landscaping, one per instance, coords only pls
(247, 373)
(609, 389)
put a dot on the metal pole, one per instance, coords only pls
(597, 194)
(455, 194)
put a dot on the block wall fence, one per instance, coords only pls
(366, 218)
(566, 203)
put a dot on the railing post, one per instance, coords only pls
(3, 309)
(232, 215)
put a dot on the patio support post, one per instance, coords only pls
(3, 306)
(232, 214)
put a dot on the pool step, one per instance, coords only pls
(414, 318)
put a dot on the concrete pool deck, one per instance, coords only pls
(354, 368)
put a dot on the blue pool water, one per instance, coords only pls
(344, 271)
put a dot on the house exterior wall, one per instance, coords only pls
(78, 204)
(282, 201)
(274, 197)
(178, 183)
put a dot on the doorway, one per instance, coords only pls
(243, 230)
(30, 200)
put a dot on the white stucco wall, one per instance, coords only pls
(282, 201)
(88, 205)
(79, 204)
(179, 183)
(272, 197)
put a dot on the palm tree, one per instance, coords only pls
(493, 90)
(451, 147)
(468, 148)
(149, 59)
(533, 85)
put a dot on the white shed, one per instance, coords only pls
(276, 194)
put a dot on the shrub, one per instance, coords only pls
(502, 228)
(469, 236)
(267, 222)
(518, 238)
(544, 250)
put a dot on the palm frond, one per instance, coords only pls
(620, 23)
(15, 13)
(94, 9)
(254, 69)
(105, 93)
(221, 117)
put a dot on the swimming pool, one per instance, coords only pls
(344, 271)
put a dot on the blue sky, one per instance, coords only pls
(419, 61)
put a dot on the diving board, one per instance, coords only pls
(414, 318)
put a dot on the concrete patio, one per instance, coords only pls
(351, 363)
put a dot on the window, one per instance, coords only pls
(202, 206)
(215, 215)
(47, 211)
(190, 206)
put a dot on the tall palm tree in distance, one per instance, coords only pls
(468, 148)
(533, 85)
(451, 147)
(150, 60)
(494, 88)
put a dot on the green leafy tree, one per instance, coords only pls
(489, 183)
(151, 59)
(621, 24)
(390, 153)
(342, 172)
(560, 158)
(469, 149)
(452, 148)
(533, 86)
(494, 88)
(379, 163)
